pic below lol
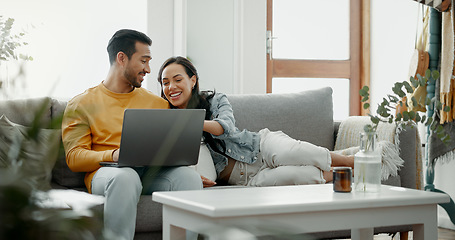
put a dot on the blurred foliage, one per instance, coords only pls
(21, 217)
(28, 213)
(386, 109)
(9, 42)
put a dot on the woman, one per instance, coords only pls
(261, 158)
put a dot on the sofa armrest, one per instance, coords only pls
(409, 174)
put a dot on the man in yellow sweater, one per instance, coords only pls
(92, 126)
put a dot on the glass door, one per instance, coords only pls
(312, 44)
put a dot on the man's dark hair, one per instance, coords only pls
(124, 40)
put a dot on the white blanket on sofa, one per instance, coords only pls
(348, 142)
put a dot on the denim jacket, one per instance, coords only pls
(240, 145)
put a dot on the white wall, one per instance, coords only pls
(392, 44)
(226, 42)
(69, 41)
(224, 39)
(160, 28)
(210, 42)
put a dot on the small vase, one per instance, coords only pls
(367, 164)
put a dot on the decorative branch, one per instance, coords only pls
(384, 111)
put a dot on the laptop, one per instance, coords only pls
(160, 137)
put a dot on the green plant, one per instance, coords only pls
(22, 213)
(386, 109)
(9, 42)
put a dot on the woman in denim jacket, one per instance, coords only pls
(263, 158)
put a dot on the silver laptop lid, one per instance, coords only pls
(161, 137)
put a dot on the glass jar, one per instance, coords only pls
(367, 164)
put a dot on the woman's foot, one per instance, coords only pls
(328, 176)
(342, 160)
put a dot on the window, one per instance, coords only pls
(310, 48)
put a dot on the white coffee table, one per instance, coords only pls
(299, 209)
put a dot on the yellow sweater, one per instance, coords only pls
(92, 125)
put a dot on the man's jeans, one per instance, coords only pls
(122, 188)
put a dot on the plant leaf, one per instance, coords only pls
(408, 87)
(435, 74)
(414, 101)
(375, 120)
(414, 82)
(424, 117)
(405, 116)
(364, 91)
(438, 105)
(428, 73)
(429, 121)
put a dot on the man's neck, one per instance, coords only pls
(115, 82)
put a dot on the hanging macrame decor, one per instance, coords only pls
(419, 64)
(447, 79)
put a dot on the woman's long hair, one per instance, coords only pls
(198, 100)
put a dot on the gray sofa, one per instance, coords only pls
(306, 116)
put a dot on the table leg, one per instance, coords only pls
(425, 231)
(171, 232)
(362, 234)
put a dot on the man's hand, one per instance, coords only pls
(207, 182)
(115, 154)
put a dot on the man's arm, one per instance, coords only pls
(77, 140)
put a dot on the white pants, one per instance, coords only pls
(283, 161)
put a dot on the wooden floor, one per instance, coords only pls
(446, 234)
(443, 234)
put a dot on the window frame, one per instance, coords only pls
(356, 68)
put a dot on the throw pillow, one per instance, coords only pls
(205, 166)
(31, 160)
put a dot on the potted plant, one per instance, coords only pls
(367, 164)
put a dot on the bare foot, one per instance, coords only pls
(328, 176)
(342, 160)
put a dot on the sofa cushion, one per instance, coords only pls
(62, 175)
(306, 116)
(25, 111)
(205, 165)
(33, 153)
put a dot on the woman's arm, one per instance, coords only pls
(213, 127)
(223, 115)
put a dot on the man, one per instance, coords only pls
(91, 131)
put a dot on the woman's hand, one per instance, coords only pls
(115, 155)
(207, 182)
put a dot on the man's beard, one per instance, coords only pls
(132, 78)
